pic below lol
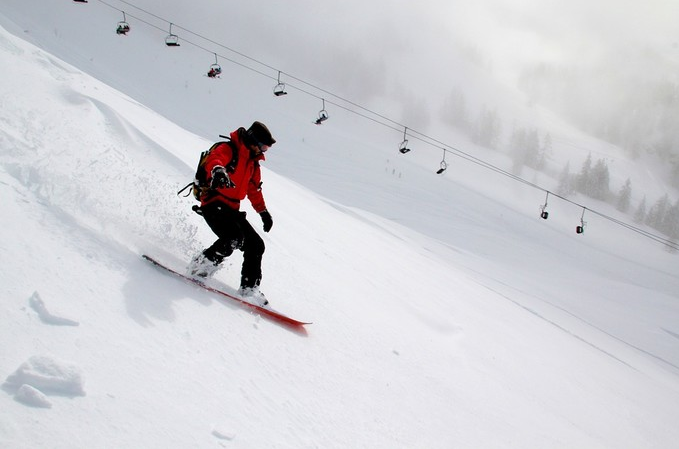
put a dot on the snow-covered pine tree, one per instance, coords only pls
(624, 197)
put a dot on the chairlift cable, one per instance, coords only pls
(373, 116)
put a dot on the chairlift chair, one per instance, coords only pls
(444, 165)
(123, 28)
(215, 69)
(279, 89)
(543, 209)
(322, 116)
(581, 228)
(172, 40)
(79, 1)
(403, 147)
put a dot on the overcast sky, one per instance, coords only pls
(374, 49)
(518, 29)
(382, 33)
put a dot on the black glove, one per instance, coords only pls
(220, 179)
(267, 220)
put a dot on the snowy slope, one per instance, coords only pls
(507, 333)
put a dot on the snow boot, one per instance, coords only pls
(253, 295)
(202, 267)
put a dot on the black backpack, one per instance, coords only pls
(199, 185)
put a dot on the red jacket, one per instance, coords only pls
(246, 175)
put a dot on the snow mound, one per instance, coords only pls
(224, 434)
(32, 396)
(48, 374)
(46, 317)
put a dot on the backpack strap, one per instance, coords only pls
(231, 166)
(184, 188)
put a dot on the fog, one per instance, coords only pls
(405, 58)
(382, 39)
(391, 43)
(608, 67)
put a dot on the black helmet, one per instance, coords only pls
(261, 134)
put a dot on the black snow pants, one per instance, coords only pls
(235, 232)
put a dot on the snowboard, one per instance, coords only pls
(263, 311)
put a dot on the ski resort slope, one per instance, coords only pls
(517, 334)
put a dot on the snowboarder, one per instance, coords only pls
(220, 207)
